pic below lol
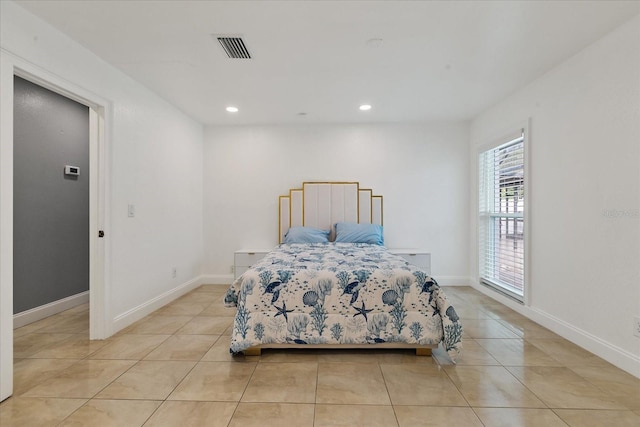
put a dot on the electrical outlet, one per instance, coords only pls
(636, 326)
(232, 269)
(174, 272)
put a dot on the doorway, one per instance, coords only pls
(50, 203)
(99, 110)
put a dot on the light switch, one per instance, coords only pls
(131, 211)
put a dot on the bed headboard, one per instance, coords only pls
(322, 204)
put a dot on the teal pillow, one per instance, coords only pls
(348, 232)
(306, 235)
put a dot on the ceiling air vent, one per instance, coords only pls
(234, 47)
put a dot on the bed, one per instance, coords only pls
(332, 283)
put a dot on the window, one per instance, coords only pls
(501, 221)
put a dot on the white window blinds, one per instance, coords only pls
(501, 217)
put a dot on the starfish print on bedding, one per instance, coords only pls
(283, 311)
(363, 310)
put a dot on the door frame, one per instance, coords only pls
(100, 118)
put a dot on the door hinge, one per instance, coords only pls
(100, 233)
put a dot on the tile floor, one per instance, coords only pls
(173, 368)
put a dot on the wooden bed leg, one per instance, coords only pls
(423, 352)
(253, 351)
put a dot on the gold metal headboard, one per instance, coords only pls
(322, 204)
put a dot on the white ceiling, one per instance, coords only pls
(439, 60)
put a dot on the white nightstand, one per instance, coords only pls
(417, 257)
(245, 258)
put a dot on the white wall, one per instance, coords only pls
(585, 162)
(155, 161)
(420, 170)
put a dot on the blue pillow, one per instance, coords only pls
(306, 235)
(348, 232)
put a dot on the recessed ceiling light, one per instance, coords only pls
(365, 107)
(232, 109)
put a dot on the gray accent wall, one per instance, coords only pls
(51, 209)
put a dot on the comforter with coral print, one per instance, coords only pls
(340, 293)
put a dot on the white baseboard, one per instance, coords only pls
(453, 280)
(217, 279)
(33, 315)
(611, 353)
(127, 318)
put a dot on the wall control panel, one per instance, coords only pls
(71, 170)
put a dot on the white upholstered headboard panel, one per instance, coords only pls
(322, 204)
